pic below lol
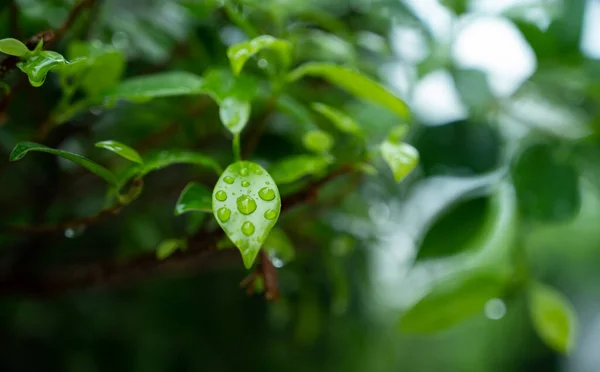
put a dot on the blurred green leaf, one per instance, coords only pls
(547, 186)
(234, 114)
(121, 150)
(402, 158)
(296, 110)
(168, 247)
(450, 302)
(13, 47)
(22, 148)
(246, 204)
(318, 141)
(293, 168)
(279, 248)
(103, 66)
(37, 65)
(354, 82)
(341, 120)
(553, 317)
(163, 84)
(318, 45)
(194, 197)
(239, 53)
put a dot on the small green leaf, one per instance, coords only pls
(342, 121)
(354, 82)
(164, 84)
(37, 66)
(402, 158)
(240, 53)
(234, 114)
(450, 302)
(317, 141)
(194, 197)
(279, 248)
(553, 317)
(121, 150)
(168, 247)
(22, 148)
(293, 168)
(13, 47)
(246, 204)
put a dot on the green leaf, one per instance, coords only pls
(22, 148)
(121, 150)
(296, 110)
(240, 53)
(279, 248)
(354, 82)
(341, 120)
(547, 186)
(168, 247)
(295, 167)
(234, 114)
(164, 84)
(317, 141)
(553, 317)
(102, 66)
(450, 302)
(194, 197)
(401, 158)
(246, 204)
(13, 47)
(37, 65)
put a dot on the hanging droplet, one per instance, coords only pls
(221, 195)
(266, 193)
(224, 214)
(270, 214)
(248, 228)
(246, 204)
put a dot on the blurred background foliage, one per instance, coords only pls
(440, 272)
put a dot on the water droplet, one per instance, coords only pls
(277, 262)
(270, 214)
(228, 179)
(224, 214)
(263, 63)
(73, 232)
(245, 183)
(244, 172)
(248, 228)
(69, 233)
(221, 195)
(246, 204)
(258, 171)
(266, 193)
(495, 309)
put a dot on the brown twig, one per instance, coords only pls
(201, 253)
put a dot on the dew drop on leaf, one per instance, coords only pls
(248, 228)
(228, 180)
(221, 195)
(245, 183)
(270, 214)
(224, 214)
(266, 193)
(246, 205)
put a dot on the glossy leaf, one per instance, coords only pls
(341, 120)
(168, 247)
(164, 84)
(246, 204)
(547, 186)
(354, 82)
(553, 317)
(451, 301)
(317, 141)
(234, 114)
(279, 248)
(13, 47)
(121, 150)
(22, 148)
(240, 53)
(194, 197)
(37, 66)
(293, 168)
(402, 158)
(102, 68)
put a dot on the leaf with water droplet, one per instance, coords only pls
(194, 197)
(234, 114)
(246, 204)
(239, 53)
(402, 158)
(295, 167)
(37, 65)
(22, 148)
(553, 317)
(451, 301)
(121, 150)
(168, 247)
(13, 47)
(353, 82)
(318, 141)
(341, 120)
(279, 248)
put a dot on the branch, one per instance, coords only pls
(201, 254)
